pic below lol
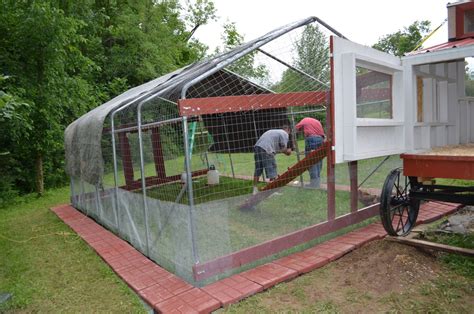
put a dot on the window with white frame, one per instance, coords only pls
(373, 94)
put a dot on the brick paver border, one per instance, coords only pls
(167, 293)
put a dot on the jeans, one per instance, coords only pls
(311, 143)
(264, 161)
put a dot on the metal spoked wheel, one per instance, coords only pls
(398, 211)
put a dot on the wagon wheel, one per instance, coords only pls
(398, 211)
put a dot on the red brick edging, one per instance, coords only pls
(167, 293)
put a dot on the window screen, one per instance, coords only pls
(374, 94)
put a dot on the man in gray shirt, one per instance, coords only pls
(270, 143)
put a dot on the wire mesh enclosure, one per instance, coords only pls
(172, 166)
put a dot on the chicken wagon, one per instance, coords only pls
(405, 188)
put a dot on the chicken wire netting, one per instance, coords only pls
(161, 159)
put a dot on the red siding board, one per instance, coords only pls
(213, 105)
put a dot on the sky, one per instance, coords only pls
(362, 21)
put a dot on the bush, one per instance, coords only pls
(7, 192)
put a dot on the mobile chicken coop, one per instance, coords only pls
(138, 163)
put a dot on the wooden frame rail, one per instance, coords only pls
(213, 105)
(256, 252)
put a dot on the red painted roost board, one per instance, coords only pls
(286, 177)
(210, 105)
(438, 166)
(299, 168)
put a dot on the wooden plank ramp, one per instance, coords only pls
(288, 176)
(298, 168)
(433, 246)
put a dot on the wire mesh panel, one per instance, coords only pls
(218, 170)
(270, 90)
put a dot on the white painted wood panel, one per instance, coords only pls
(360, 138)
(448, 117)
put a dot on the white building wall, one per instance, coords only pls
(447, 118)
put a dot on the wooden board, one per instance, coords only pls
(433, 246)
(286, 177)
(452, 150)
(450, 162)
(299, 168)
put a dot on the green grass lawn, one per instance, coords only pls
(222, 227)
(227, 187)
(48, 268)
(460, 264)
(277, 215)
(243, 164)
(463, 265)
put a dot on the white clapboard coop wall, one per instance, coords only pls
(386, 105)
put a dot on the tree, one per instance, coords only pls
(312, 58)
(312, 53)
(469, 82)
(47, 66)
(244, 66)
(15, 126)
(199, 13)
(405, 40)
(65, 57)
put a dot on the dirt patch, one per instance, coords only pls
(384, 266)
(379, 277)
(371, 273)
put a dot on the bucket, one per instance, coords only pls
(212, 176)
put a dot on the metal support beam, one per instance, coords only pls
(189, 183)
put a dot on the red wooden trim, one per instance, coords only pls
(331, 187)
(459, 22)
(256, 252)
(286, 177)
(466, 35)
(460, 10)
(126, 158)
(437, 157)
(330, 118)
(298, 168)
(331, 157)
(438, 166)
(354, 188)
(209, 105)
(155, 180)
(158, 153)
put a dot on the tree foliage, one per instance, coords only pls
(312, 58)
(15, 126)
(469, 81)
(404, 41)
(245, 66)
(59, 59)
(312, 53)
(199, 13)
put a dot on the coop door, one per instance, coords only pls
(368, 102)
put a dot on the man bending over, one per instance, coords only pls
(314, 137)
(270, 143)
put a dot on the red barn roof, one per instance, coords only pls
(447, 45)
